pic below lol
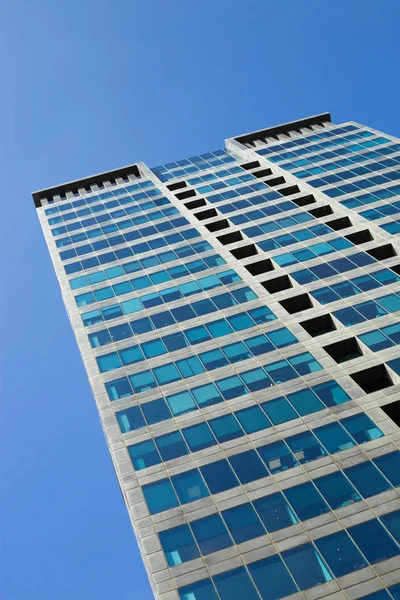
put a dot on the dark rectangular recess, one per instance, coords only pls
(206, 214)
(177, 186)
(319, 325)
(321, 211)
(230, 238)
(275, 181)
(262, 173)
(262, 266)
(396, 269)
(289, 191)
(304, 200)
(372, 379)
(341, 223)
(285, 128)
(195, 203)
(244, 251)
(360, 237)
(344, 350)
(278, 284)
(382, 252)
(392, 410)
(297, 303)
(185, 195)
(251, 165)
(217, 225)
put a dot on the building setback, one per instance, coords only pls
(238, 317)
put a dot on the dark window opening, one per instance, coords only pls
(344, 350)
(341, 223)
(372, 379)
(382, 252)
(229, 238)
(393, 411)
(250, 165)
(206, 214)
(187, 194)
(177, 186)
(244, 251)
(321, 211)
(218, 225)
(319, 325)
(263, 173)
(297, 303)
(273, 286)
(262, 266)
(275, 181)
(396, 269)
(360, 237)
(288, 191)
(196, 203)
(304, 200)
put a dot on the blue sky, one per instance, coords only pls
(89, 86)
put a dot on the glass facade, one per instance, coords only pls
(238, 317)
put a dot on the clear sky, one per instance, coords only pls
(89, 86)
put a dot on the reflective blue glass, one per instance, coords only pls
(206, 395)
(189, 486)
(226, 428)
(156, 411)
(219, 476)
(198, 437)
(252, 419)
(277, 457)
(361, 428)
(337, 490)
(171, 445)
(181, 403)
(272, 578)
(333, 437)
(248, 466)
(306, 566)
(367, 479)
(130, 419)
(392, 522)
(243, 523)
(279, 410)
(341, 553)
(235, 585)
(305, 402)
(275, 512)
(389, 464)
(202, 590)
(374, 541)
(159, 496)
(178, 545)
(306, 501)
(305, 447)
(211, 534)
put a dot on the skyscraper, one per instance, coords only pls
(238, 316)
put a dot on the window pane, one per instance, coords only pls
(211, 534)
(248, 466)
(306, 501)
(367, 479)
(337, 490)
(277, 457)
(306, 566)
(235, 585)
(178, 545)
(373, 540)
(171, 445)
(226, 428)
(206, 395)
(389, 464)
(305, 402)
(181, 403)
(130, 419)
(219, 476)
(275, 512)
(279, 410)
(189, 486)
(199, 437)
(340, 553)
(392, 522)
(252, 419)
(272, 578)
(156, 411)
(362, 428)
(144, 455)
(334, 437)
(305, 447)
(202, 590)
(160, 496)
(243, 523)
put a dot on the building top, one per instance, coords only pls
(131, 172)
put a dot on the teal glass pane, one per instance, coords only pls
(277, 457)
(231, 387)
(120, 388)
(389, 464)
(130, 419)
(202, 590)
(213, 359)
(235, 585)
(108, 362)
(166, 374)
(219, 476)
(243, 523)
(305, 363)
(279, 410)
(144, 455)
(334, 437)
(178, 545)
(331, 393)
(275, 512)
(206, 395)
(361, 428)
(159, 496)
(341, 553)
(236, 352)
(248, 466)
(156, 411)
(305, 447)
(131, 355)
(282, 337)
(226, 428)
(256, 379)
(199, 437)
(306, 566)
(392, 523)
(375, 340)
(272, 578)
(306, 501)
(367, 479)
(252, 419)
(211, 534)
(305, 402)
(171, 445)
(189, 486)
(374, 541)
(142, 382)
(337, 490)
(181, 403)
(259, 345)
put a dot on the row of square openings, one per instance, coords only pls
(260, 139)
(94, 187)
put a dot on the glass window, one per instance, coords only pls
(306, 566)
(259, 345)
(367, 479)
(144, 455)
(120, 388)
(130, 419)
(282, 337)
(153, 348)
(256, 379)
(277, 457)
(262, 315)
(306, 501)
(248, 466)
(199, 437)
(213, 359)
(226, 428)
(236, 352)
(392, 522)
(120, 332)
(219, 328)
(240, 321)
(231, 387)
(305, 363)
(374, 541)
(166, 374)
(331, 393)
(281, 371)
(99, 338)
(275, 512)
(272, 578)
(189, 366)
(131, 355)
(395, 591)
(337, 490)
(243, 523)
(235, 585)
(156, 411)
(362, 428)
(375, 340)
(252, 419)
(341, 553)
(305, 402)
(142, 382)
(141, 325)
(305, 447)
(334, 437)
(389, 464)
(206, 395)
(178, 545)
(279, 410)
(189, 486)
(196, 335)
(159, 496)
(171, 445)
(201, 590)
(219, 476)
(181, 403)
(211, 534)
